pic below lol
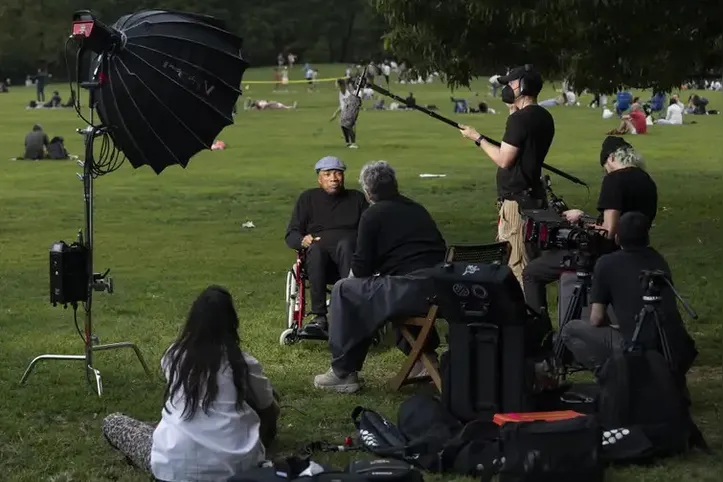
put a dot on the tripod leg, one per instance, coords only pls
(573, 310)
(126, 344)
(40, 358)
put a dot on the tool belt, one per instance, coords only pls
(525, 200)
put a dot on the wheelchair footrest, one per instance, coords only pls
(313, 333)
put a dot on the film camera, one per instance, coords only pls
(545, 229)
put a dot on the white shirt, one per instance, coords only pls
(674, 114)
(214, 446)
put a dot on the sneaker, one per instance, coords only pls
(330, 381)
(353, 146)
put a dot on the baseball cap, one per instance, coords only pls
(329, 163)
(533, 79)
(610, 145)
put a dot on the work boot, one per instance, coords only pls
(330, 381)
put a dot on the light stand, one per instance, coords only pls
(94, 281)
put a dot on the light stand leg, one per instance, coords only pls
(96, 282)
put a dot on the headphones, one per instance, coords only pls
(524, 87)
(527, 86)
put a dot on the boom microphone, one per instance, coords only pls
(450, 122)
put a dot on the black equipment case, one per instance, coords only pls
(485, 370)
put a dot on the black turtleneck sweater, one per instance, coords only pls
(329, 216)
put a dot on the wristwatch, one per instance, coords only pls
(479, 140)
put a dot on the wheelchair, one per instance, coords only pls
(297, 286)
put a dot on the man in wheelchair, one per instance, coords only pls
(398, 242)
(324, 224)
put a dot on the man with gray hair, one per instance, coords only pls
(397, 244)
(626, 187)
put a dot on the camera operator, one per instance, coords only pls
(626, 187)
(616, 282)
(528, 135)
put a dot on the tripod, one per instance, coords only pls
(96, 281)
(583, 263)
(653, 283)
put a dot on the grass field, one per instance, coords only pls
(167, 237)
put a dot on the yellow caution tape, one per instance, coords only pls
(305, 81)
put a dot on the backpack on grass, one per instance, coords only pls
(643, 407)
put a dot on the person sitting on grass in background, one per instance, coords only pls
(220, 411)
(35, 143)
(56, 149)
(633, 123)
(674, 114)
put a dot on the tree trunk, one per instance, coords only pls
(347, 38)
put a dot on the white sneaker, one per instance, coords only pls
(329, 381)
(353, 146)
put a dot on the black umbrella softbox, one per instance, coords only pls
(168, 83)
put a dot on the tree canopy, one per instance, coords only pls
(597, 44)
(33, 32)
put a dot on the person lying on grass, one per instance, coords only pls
(220, 412)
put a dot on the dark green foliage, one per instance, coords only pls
(597, 44)
(34, 31)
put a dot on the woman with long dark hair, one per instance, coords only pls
(220, 411)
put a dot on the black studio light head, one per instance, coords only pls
(95, 34)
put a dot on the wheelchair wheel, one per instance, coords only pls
(292, 290)
(288, 337)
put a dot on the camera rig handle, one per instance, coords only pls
(556, 203)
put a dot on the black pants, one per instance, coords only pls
(539, 273)
(352, 361)
(349, 135)
(325, 258)
(591, 346)
(360, 306)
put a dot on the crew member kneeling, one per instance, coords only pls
(616, 282)
(626, 187)
(324, 223)
(397, 244)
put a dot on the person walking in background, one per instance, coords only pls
(349, 132)
(40, 80)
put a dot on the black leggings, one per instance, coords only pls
(349, 135)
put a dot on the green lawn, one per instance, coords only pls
(167, 237)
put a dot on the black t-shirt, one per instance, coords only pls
(630, 189)
(322, 214)
(396, 237)
(616, 282)
(531, 130)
